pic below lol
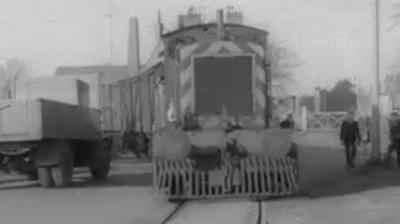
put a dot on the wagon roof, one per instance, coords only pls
(103, 69)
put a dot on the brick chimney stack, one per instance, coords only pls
(133, 47)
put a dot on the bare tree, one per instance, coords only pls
(11, 70)
(395, 16)
(283, 62)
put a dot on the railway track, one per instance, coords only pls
(179, 208)
(174, 213)
(259, 213)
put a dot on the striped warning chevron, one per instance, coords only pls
(215, 48)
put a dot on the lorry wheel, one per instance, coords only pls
(100, 160)
(31, 170)
(33, 175)
(45, 177)
(62, 174)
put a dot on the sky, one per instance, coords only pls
(334, 39)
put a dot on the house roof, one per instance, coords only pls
(109, 73)
(103, 69)
(113, 73)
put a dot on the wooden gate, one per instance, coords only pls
(325, 120)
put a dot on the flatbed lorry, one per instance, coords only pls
(46, 139)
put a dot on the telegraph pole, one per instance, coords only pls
(110, 17)
(375, 115)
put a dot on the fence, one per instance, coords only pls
(325, 120)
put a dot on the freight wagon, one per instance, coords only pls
(135, 102)
(134, 106)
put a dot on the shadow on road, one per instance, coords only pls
(124, 172)
(114, 180)
(12, 180)
(20, 186)
(322, 174)
(117, 180)
(356, 182)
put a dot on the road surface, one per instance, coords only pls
(123, 198)
(330, 195)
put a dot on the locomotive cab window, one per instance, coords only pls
(223, 82)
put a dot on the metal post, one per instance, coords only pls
(14, 88)
(375, 115)
(317, 100)
(220, 24)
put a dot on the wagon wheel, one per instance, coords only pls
(33, 174)
(100, 161)
(45, 177)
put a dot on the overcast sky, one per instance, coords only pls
(334, 38)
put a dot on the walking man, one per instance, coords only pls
(350, 136)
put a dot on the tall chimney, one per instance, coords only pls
(160, 24)
(220, 24)
(133, 47)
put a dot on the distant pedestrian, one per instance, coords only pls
(394, 128)
(364, 125)
(350, 137)
(288, 123)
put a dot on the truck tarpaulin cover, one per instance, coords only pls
(212, 92)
